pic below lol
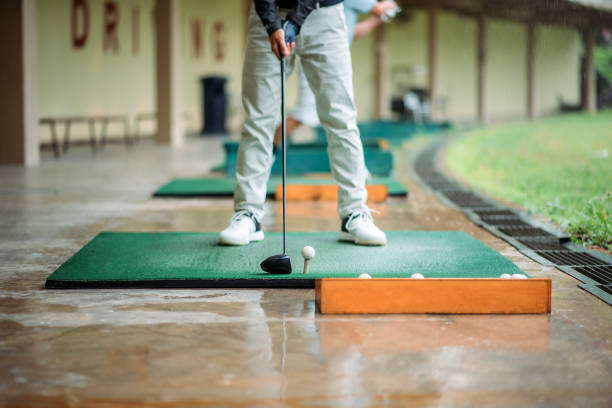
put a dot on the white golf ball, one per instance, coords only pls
(505, 276)
(417, 276)
(365, 276)
(518, 276)
(308, 252)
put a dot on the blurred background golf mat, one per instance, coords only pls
(224, 186)
(303, 158)
(194, 259)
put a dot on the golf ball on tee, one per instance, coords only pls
(417, 276)
(505, 276)
(308, 252)
(365, 276)
(518, 276)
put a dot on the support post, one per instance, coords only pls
(19, 104)
(168, 64)
(531, 68)
(590, 82)
(482, 69)
(432, 56)
(382, 72)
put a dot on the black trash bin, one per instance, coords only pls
(214, 103)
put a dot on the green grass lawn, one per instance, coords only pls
(559, 167)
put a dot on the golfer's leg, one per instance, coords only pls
(261, 87)
(326, 62)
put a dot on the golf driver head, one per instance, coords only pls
(277, 264)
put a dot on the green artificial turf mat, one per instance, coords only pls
(185, 187)
(392, 131)
(304, 158)
(316, 160)
(219, 168)
(194, 259)
(224, 186)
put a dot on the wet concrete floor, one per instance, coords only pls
(262, 348)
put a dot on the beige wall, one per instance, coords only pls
(92, 81)
(408, 57)
(222, 33)
(457, 67)
(408, 52)
(506, 70)
(557, 68)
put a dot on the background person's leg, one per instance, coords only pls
(261, 98)
(305, 109)
(291, 125)
(326, 62)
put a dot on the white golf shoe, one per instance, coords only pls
(242, 229)
(359, 228)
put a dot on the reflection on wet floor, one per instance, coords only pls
(372, 337)
(194, 348)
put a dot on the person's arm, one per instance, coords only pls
(375, 8)
(266, 10)
(283, 35)
(366, 26)
(381, 7)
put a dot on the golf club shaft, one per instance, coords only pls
(284, 152)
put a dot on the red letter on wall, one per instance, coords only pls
(196, 37)
(219, 32)
(111, 21)
(79, 8)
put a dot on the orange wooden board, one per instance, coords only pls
(325, 192)
(440, 296)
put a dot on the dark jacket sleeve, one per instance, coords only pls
(266, 10)
(301, 11)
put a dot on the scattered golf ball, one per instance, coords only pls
(417, 276)
(308, 252)
(505, 276)
(365, 276)
(518, 276)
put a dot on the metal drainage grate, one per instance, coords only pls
(606, 288)
(495, 213)
(494, 217)
(465, 199)
(569, 258)
(505, 221)
(510, 226)
(445, 186)
(524, 231)
(601, 274)
(543, 245)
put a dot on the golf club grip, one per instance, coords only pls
(284, 153)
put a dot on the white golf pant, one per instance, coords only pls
(323, 49)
